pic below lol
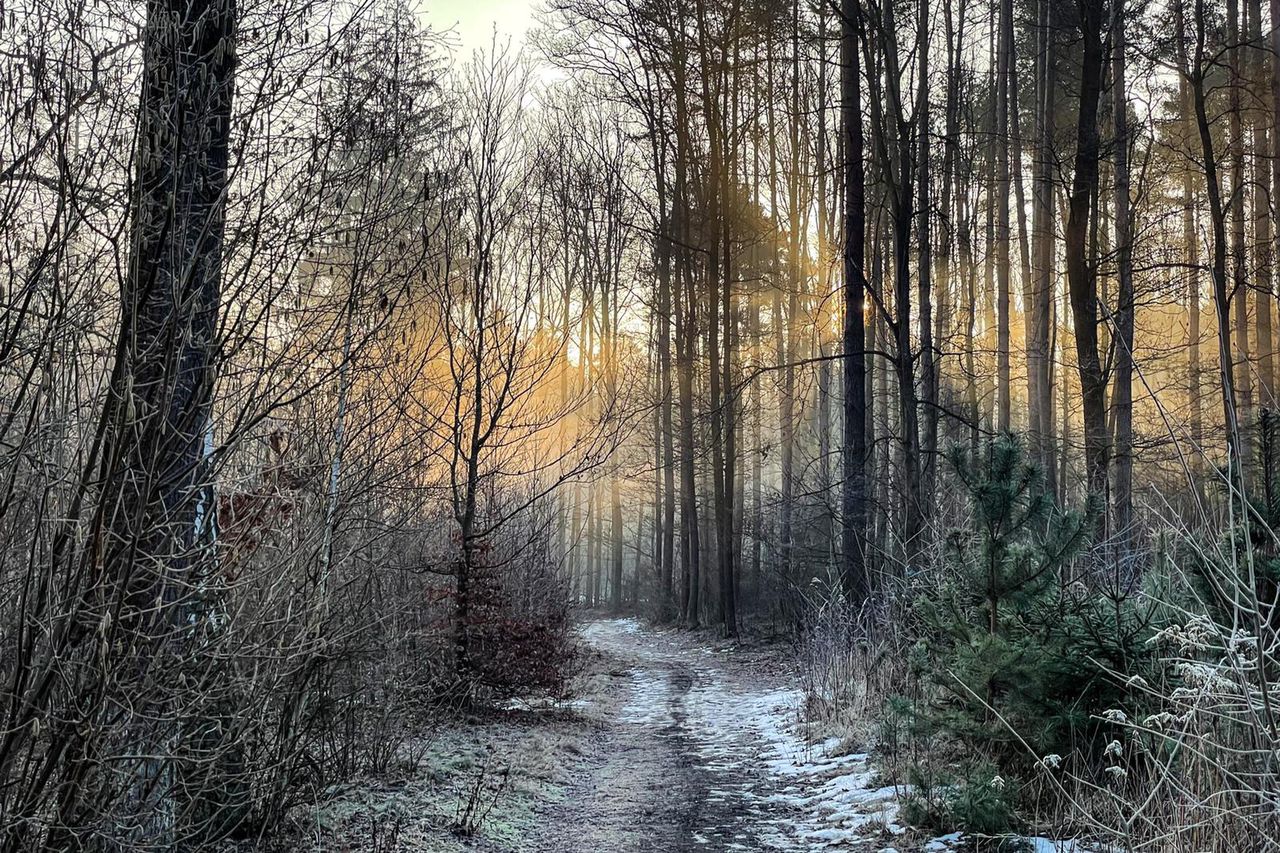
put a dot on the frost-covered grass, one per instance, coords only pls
(477, 781)
(508, 764)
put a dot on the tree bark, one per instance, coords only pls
(1122, 394)
(1239, 294)
(1261, 124)
(1081, 275)
(924, 276)
(154, 538)
(1004, 58)
(1217, 216)
(1039, 356)
(853, 494)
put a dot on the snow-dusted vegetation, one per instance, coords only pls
(642, 425)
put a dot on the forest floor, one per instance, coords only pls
(675, 741)
(702, 747)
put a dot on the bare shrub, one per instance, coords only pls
(849, 662)
(479, 797)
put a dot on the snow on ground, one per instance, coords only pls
(827, 799)
(672, 745)
(762, 782)
(767, 786)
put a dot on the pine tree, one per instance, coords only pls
(1013, 653)
(1009, 643)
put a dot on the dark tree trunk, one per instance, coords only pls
(153, 539)
(156, 467)
(1081, 275)
(1260, 120)
(1004, 59)
(1122, 395)
(1239, 293)
(853, 492)
(1274, 125)
(1039, 355)
(924, 274)
(1217, 215)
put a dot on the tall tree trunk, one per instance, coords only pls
(924, 274)
(667, 520)
(1004, 57)
(789, 331)
(690, 545)
(990, 334)
(822, 324)
(686, 345)
(153, 539)
(726, 507)
(899, 159)
(1081, 274)
(946, 285)
(781, 327)
(853, 493)
(1191, 241)
(1217, 216)
(1122, 394)
(1027, 279)
(1236, 209)
(1274, 123)
(609, 347)
(1260, 121)
(720, 301)
(162, 388)
(1039, 356)
(757, 398)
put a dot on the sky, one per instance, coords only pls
(473, 21)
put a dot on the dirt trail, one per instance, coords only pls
(696, 751)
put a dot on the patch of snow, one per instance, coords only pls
(1032, 844)
(542, 703)
(829, 799)
(1040, 844)
(765, 781)
(944, 842)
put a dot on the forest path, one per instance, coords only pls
(699, 749)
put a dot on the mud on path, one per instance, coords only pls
(696, 749)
